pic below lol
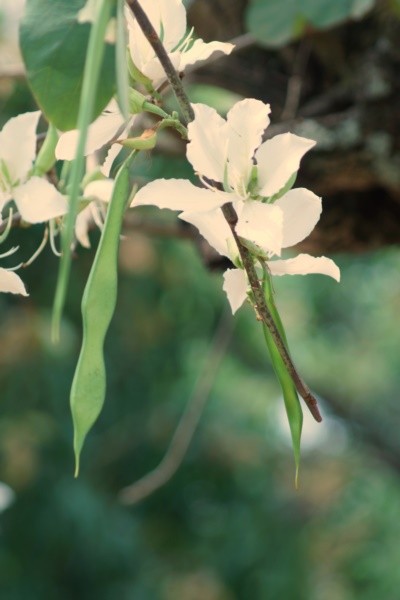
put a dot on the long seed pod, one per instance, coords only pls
(98, 304)
(292, 403)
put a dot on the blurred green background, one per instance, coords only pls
(229, 525)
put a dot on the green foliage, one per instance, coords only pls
(98, 305)
(276, 22)
(54, 47)
(395, 6)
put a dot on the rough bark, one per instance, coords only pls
(340, 87)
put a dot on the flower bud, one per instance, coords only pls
(136, 101)
(146, 141)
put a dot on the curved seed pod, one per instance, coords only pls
(292, 403)
(98, 305)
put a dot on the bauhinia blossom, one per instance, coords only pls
(228, 154)
(37, 200)
(168, 18)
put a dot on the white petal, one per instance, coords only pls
(83, 223)
(87, 14)
(100, 132)
(12, 283)
(167, 17)
(38, 201)
(179, 194)
(112, 154)
(301, 211)
(207, 150)
(115, 149)
(304, 264)
(277, 160)
(246, 122)
(154, 71)
(173, 20)
(213, 227)
(235, 286)
(201, 51)
(262, 224)
(18, 144)
(99, 190)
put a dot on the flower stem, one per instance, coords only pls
(155, 42)
(228, 211)
(91, 75)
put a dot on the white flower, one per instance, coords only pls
(227, 154)
(254, 176)
(105, 128)
(168, 18)
(37, 200)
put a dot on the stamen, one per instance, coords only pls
(183, 45)
(53, 232)
(205, 183)
(9, 252)
(5, 233)
(41, 247)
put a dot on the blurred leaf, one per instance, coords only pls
(54, 46)
(395, 7)
(276, 22)
(219, 98)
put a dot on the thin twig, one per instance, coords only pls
(189, 421)
(155, 42)
(265, 316)
(295, 81)
(228, 211)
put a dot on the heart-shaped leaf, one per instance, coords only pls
(53, 46)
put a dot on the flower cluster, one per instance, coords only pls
(36, 199)
(168, 18)
(236, 167)
(229, 156)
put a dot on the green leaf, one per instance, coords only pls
(54, 47)
(276, 22)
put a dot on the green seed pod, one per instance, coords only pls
(136, 101)
(292, 403)
(98, 304)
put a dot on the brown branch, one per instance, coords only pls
(155, 42)
(295, 83)
(266, 317)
